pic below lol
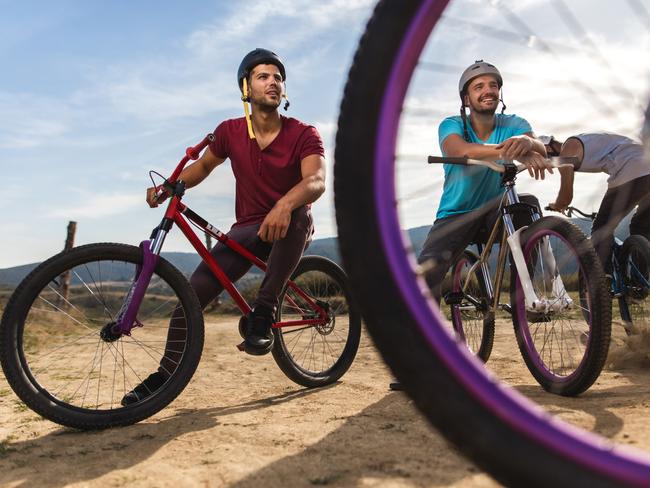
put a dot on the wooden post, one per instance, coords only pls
(65, 277)
(208, 241)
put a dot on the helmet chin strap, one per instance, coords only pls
(245, 99)
(503, 104)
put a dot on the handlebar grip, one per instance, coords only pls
(194, 152)
(442, 160)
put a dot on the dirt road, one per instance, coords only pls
(242, 423)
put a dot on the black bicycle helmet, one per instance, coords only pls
(255, 57)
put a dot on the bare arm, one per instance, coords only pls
(455, 146)
(565, 194)
(308, 190)
(192, 175)
(525, 148)
(572, 147)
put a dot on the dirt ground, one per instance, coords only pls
(241, 423)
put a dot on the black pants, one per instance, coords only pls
(617, 203)
(449, 236)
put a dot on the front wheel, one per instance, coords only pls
(635, 268)
(565, 339)
(59, 350)
(317, 355)
(471, 314)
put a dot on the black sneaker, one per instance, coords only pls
(144, 389)
(259, 336)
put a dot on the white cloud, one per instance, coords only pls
(96, 206)
(28, 120)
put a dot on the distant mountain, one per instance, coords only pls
(327, 247)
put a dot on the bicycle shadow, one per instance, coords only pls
(386, 441)
(106, 451)
(389, 441)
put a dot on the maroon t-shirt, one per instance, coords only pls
(263, 177)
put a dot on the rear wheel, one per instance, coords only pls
(58, 350)
(635, 267)
(317, 355)
(471, 313)
(565, 342)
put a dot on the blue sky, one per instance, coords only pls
(93, 95)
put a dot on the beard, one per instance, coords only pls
(263, 104)
(477, 108)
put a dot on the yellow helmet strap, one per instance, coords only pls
(245, 99)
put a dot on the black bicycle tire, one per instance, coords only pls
(455, 401)
(487, 337)
(284, 359)
(38, 399)
(600, 309)
(631, 243)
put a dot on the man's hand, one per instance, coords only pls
(558, 207)
(536, 164)
(515, 147)
(275, 224)
(151, 197)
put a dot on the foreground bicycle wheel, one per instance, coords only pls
(565, 349)
(496, 427)
(58, 361)
(472, 317)
(317, 355)
(635, 264)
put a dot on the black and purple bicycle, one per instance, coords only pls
(499, 429)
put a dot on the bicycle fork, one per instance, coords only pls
(559, 299)
(127, 316)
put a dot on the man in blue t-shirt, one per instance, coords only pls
(471, 194)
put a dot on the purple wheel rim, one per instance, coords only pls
(586, 449)
(521, 311)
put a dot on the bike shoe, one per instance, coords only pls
(243, 326)
(144, 389)
(258, 339)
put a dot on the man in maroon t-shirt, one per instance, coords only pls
(279, 167)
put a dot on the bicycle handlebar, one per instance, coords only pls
(569, 211)
(554, 162)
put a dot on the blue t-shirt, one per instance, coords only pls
(467, 188)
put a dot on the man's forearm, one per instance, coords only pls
(307, 191)
(193, 175)
(484, 152)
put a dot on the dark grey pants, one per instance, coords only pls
(449, 236)
(281, 258)
(617, 203)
